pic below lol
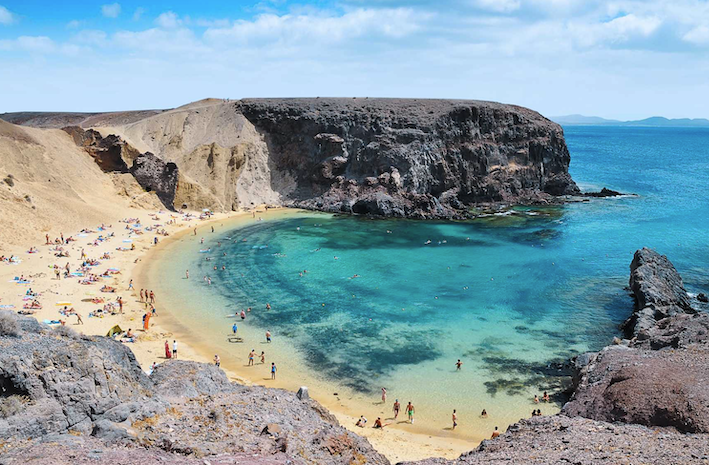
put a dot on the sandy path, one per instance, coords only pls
(396, 444)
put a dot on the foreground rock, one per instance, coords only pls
(659, 378)
(88, 395)
(561, 440)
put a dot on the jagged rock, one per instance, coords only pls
(302, 393)
(156, 175)
(605, 192)
(395, 157)
(658, 291)
(94, 386)
(659, 378)
(702, 297)
(111, 153)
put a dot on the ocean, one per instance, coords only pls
(360, 304)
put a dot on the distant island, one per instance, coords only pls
(652, 122)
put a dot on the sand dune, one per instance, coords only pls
(49, 185)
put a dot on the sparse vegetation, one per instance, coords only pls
(9, 180)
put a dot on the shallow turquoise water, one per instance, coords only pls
(509, 295)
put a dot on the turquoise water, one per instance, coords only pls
(511, 295)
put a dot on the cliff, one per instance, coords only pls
(389, 157)
(411, 158)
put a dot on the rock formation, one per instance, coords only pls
(388, 157)
(659, 377)
(411, 158)
(88, 396)
(658, 291)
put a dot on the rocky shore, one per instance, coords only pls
(88, 397)
(66, 398)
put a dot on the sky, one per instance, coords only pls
(622, 59)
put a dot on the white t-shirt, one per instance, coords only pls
(174, 346)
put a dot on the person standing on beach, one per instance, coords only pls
(234, 328)
(410, 410)
(252, 354)
(268, 336)
(152, 297)
(130, 285)
(273, 370)
(141, 295)
(187, 274)
(263, 357)
(174, 349)
(384, 395)
(454, 417)
(458, 365)
(217, 361)
(397, 407)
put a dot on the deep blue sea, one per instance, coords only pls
(359, 304)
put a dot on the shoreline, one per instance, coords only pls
(395, 443)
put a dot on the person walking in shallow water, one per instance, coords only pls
(454, 418)
(458, 365)
(410, 410)
(384, 395)
(397, 407)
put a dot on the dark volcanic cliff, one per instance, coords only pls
(411, 158)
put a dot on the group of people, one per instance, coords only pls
(410, 410)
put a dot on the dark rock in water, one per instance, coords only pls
(412, 158)
(702, 297)
(156, 175)
(603, 193)
(658, 291)
(659, 377)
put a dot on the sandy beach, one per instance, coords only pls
(54, 294)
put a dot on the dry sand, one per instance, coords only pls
(396, 444)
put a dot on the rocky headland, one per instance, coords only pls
(414, 158)
(66, 398)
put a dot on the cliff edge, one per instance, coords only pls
(414, 158)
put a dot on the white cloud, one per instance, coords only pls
(499, 6)
(111, 10)
(699, 36)
(6, 16)
(391, 23)
(74, 24)
(138, 13)
(31, 44)
(168, 20)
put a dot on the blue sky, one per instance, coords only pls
(621, 59)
